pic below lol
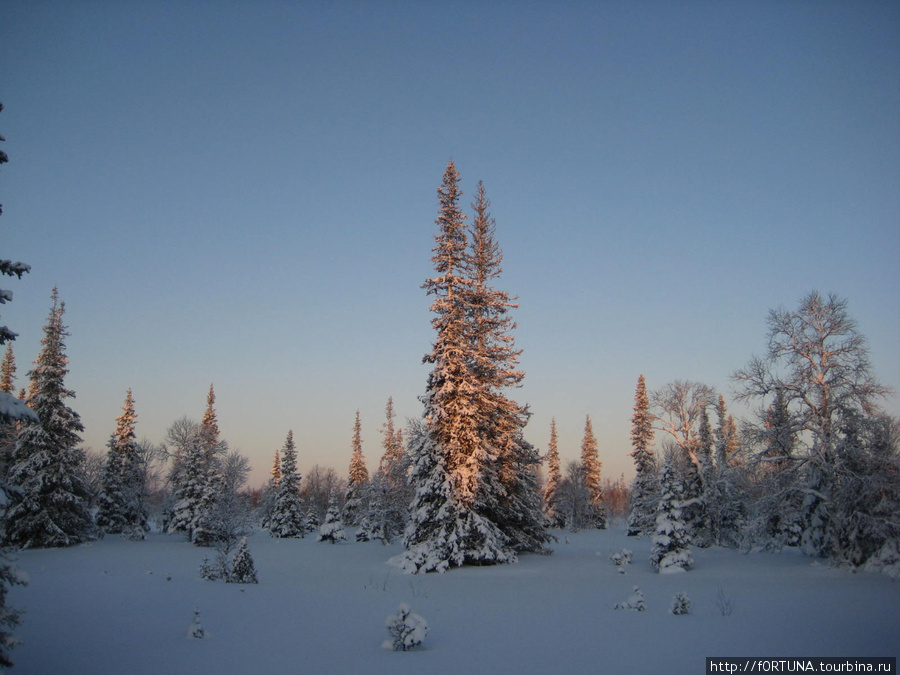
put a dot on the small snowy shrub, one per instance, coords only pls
(681, 604)
(407, 630)
(209, 571)
(635, 602)
(195, 629)
(243, 571)
(621, 559)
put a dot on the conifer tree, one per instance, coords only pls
(198, 474)
(268, 496)
(211, 447)
(288, 518)
(511, 497)
(11, 410)
(554, 476)
(8, 370)
(645, 488)
(392, 440)
(332, 530)
(671, 544)
(121, 507)
(243, 570)
(591, 465)
(8, 427)
(52, 509)
(449, 455)
(387, 494)
(354, 502)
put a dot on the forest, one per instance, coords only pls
(815, 468)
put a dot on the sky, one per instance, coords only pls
(244, 194)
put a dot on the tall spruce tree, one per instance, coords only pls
(11, 410)
(449, 453)
(198, 475)
(511, 497)
(52, 507)
(358, 479)
(121, 507)
(212, 448)
(288, 518)
(554, 476)
(591, 465)
(645, 488)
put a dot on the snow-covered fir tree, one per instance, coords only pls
(12, 410)
(332, 530)
(121, 508)
(288, 518)
(243, 569)
(358, 480)
(387, 494)
(451, 458)
(212, 448)
(635, 601)
(681, 604)
(228, 517)
(645, 488)
(554, 476)
(196, 485)
(407, 630)
(591, 466)
(512, 497)
(10, 575)
(51, 504)
(671, 544)
(268, 495)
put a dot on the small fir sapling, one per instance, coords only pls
(407, 630)
(243, 571)
(195, 629)
(209, 571)
(621, 559)
(634, 602)
(681, 604)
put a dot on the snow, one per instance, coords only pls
(12, 408)
(119, 606)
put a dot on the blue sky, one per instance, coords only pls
(244, 194)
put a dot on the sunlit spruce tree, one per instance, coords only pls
(450, 452)
(593, 481)
(120, 505)
(51, 509)
(645, 488)
(357, 481)
(554, 475)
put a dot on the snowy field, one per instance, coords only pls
(115, 606)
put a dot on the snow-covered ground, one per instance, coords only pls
(116, 606)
